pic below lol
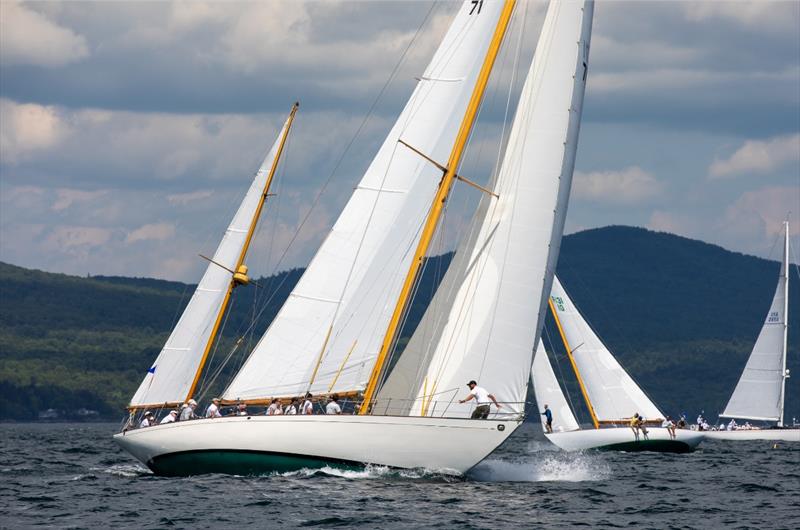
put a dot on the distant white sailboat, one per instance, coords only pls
(340, 325)
(612, 397)
(760, 393)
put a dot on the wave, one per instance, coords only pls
(124, 470)
(557, 467)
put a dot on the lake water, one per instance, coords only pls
(73, 476)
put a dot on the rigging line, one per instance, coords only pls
(217, 341)
(565, 390)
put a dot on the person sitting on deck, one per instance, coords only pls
(635, 425)
(213, 410)
(169, 418)
(147, 420)
(308, 405)
(548, 416)
(732, 425)
(333, 405)
(241, 409)
(482, 397)
(187, 411)
(669, 425)
(291, 408)
(275, 408)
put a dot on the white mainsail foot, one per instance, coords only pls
(612, 397)
(172, 378)
(336, 331)
(760, 393)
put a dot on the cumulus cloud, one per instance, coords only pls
(151, 232)
(758, 156)
(76, 240)
(29, 37)
(27, 128)
(760, 214)
(65, 198)
(182, 199)
(757, 16)
(628, 185)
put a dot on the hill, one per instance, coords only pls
(680, 314)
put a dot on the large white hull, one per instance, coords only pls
(786, 435)
(258, 444)
(623, 439)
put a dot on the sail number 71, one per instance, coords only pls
(476, 7)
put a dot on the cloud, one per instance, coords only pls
(628, 185)
(76, 240)
(182, 199)
(68, 197)
(27, 128)
(758, 156)
(663, 221)
(761, 213)
(151, 232)
(757, 16)
(28, 37)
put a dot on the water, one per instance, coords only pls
(73, 476)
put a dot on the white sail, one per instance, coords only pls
(170, 377)
(759, 393)
(341, 306)
(613, 393)
(548, 392)
(492, 324)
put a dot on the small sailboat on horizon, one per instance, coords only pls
(338, 331)
(761, 391)
(611, 395)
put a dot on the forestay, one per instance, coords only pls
(331, 327)
(491, 322)
(548, 392)
(170, 377)
(759, 393)
(613, 393)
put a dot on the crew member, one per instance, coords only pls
(482, 397)
(213, 410)
(333, 405)
(169, 418)
(548, 419)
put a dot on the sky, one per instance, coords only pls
(129, 131)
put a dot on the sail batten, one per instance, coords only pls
(175, 372)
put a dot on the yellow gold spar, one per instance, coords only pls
(240, 270)
(595, 421)
(438, 202)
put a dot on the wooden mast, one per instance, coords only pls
(253, 223)
(438, 203)
(595, 421)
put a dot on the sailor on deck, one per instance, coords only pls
(187, 411)
(548, 417)
(213, 410)
(275, 408)
(333, 405)
(169, 418)
(308, 406)
(147, 420)
(482, 397)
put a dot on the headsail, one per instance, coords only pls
(612, 392)
(172, 376)
(548, 392)
(759, 393)
(331, 327)
(498, 283)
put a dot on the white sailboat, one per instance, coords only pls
(611, 395)
(760, 393)
(338, 330)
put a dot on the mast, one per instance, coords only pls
(592, 413)
(438, 202)
(240, 271)
(784, 375)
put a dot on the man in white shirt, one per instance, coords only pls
(333, 405)
(148, 420)
(187, 411)
(169, 418)
(308, 406)
(213, 410)
(275, 408)
(291, 408)
(483, 399)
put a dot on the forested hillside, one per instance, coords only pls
(680, 314)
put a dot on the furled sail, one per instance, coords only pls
(548, 392)
(498, 283)
(327, 335)
(171, 376)
(613, 393)
(759, 393)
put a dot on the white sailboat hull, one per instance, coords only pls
(263, 444)
(623, 439)
(786, 435)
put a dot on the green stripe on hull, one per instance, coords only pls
(239, 463)
(658, 446)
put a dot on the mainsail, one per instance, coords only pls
(759, 394)
(610, 391)
(484, 322)
(548, 392)
(327, 335)
(172, 376)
